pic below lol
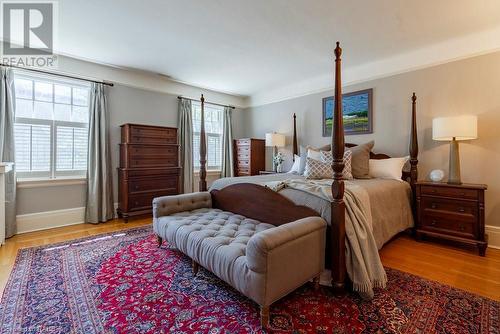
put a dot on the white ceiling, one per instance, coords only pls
(247, 47)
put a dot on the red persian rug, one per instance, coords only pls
(122, 283)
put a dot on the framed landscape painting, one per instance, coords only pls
(357, 113)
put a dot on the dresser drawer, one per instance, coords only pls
(243, 171)
(137, 156)
(141, 162)
(243, 149)
(137, 134)
(449, 225)
(148, 172)
(466, 208)
(152, 150)
(459, 193)
(245, 141)
(243, 156)
(152, 184)
(243, 163)
(145, 200)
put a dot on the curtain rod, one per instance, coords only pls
(217, 104)
(58, 74)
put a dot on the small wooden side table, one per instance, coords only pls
(452, 212)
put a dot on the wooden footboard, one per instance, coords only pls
(259, 203)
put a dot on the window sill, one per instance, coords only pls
(45, 182)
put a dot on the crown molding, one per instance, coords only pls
(455, 49)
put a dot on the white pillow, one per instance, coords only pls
(313, 154)
(387, 168)
(296, 165)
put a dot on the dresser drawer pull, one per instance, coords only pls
(136, 187)
(433, 222)
(433, 206)
(461, 210)
(136, 203)
(462, 227)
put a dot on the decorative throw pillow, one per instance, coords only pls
(327, 157)
(360, 160)
(303, 157)
(313, 153)
(316, 169)
(296, 165)
(387, 168)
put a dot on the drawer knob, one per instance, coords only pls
(461, 209)
(136, 203)
(433, 205)
(136, 187)
(462, 194)
(433, 222)
(462, 227)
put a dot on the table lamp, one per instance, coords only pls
(275, 140)
(454, 129)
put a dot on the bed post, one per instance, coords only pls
(295, 147)
(413, 144)
(203, 149)
(337, 231)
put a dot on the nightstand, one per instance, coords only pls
(452, 212)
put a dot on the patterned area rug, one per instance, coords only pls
(122, 283)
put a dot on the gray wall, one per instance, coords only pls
(470, 86)
(126, 105)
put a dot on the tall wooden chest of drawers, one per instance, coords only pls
(149, 167)
(452, 212)
(249, 156)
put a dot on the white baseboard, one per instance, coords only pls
(57, 218)
(49, 219)
(493, 233)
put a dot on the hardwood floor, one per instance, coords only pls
(453, 266)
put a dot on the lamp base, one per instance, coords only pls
(454, 165)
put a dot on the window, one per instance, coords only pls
(213, 129)
(51, 129)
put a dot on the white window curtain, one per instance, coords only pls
(99, 199)
(227, 169)
(7, 118)
(186, 142)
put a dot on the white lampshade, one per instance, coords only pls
(461, 127)
(275, 139)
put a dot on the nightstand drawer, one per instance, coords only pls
(449, 225)
(449, 206)
(459, 193)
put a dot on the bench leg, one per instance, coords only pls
(264, 316)
(196, 267)
(160, 240)
(316, 282)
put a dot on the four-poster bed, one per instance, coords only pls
(263, 204)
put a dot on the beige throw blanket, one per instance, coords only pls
(362, 259)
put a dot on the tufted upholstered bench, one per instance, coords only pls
(262, 261)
